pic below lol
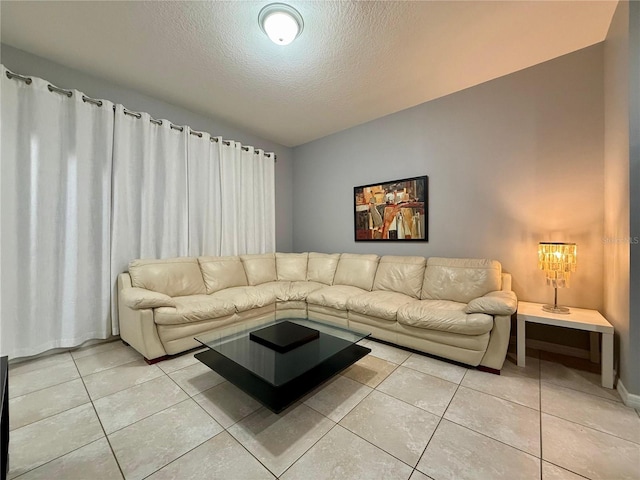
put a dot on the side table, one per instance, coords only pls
(579, 319)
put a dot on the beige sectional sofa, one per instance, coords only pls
(459, 309)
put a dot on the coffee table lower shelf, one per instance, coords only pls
(277, 398)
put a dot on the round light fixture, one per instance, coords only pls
(282, 23)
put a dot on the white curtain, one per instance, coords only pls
(85, 189)
(247, 200)
(204, 195)
(55, 218)
(150, 195)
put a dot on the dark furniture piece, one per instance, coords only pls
(277, 379)
(284, 336)
(4, 420)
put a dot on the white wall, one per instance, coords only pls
(25, 63)
(511, 162)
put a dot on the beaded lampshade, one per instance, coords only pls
(558, 261)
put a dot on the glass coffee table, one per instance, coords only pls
(284, 360)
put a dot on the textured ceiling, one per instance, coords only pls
(354, 62)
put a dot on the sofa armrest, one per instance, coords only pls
(494, 303)
(496, 352)
(141, 298)
(137, 327)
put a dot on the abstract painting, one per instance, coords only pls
(392, 211)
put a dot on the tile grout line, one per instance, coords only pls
(185, 453)
(380, 448)
(44, 388)
(590, 428)
(168, 375)
(595, 397)
(98, 416)
(133, 386)
(140, 420)
(368, 441)
(124, 389)
(53, 414)
(308, 449)
(223, 428)
(484, 434)
(439, 422)
(491, 438)
(100, 421)
(400, 399)
(354, 433)
(146, 416)
(598, 385)
(567, 469)
(245, 448)
(499, 398)
(82, 446)
(618, 402)
(57, 458)
(299, 403)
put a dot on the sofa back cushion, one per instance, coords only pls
(400, 274)
(292, 267)
(460, 279)
(222, 272)
(260, 268)
(175, 277)
(321, 267)
(356, 270)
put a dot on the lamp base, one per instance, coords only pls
(555, 309)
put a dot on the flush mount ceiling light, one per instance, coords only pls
(282, 23)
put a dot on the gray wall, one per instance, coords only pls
(622, 189)
(25, 63)
(616, 181)
(511, 162)
(632, 380)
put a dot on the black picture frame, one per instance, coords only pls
(392, 211)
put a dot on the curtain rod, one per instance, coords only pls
(69, 93)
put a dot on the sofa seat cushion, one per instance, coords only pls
(335, 296)
(445, 316)
(247, 298)
(290, 291)
(299, 291)
(278, 288)
(379, 304)
(193, 308)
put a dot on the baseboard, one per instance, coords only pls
(555, 348)
(629, 399)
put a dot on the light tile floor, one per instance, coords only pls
(101, 413)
